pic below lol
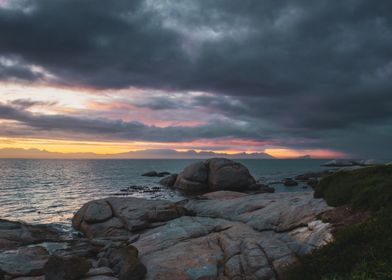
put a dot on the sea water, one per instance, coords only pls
(51, 191)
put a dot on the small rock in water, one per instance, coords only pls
(155, 174)
(150, 174)
(288, 182)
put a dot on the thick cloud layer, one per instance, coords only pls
(314, 70)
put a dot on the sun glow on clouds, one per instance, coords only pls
(102, 147)
(150, 107)
(314, 153)
(66, 98)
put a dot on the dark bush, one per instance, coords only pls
(362, 251)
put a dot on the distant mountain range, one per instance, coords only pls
(143, 154)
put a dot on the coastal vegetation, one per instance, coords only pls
(360, 251)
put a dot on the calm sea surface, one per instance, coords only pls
(50, 191)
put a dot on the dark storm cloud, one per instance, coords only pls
(30, 124)
(318, 70)
(11, 69)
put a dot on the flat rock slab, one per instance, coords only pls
(193, 248)
(223, 195)
(15, 234)
(29, 261)
(279, 212)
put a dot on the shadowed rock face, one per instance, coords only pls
(15, 234)
(67, 268)
(228, 236)
(24, 262)
(213, 175)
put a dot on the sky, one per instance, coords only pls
(287, 78)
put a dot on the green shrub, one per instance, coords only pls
(362, 251)
(366, 189)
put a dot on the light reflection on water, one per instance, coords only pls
(50, 191)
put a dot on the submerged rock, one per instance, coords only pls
(213, 175)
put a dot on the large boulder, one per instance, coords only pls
(214, 175)
(225, 174)
(125, 262)
(121, 216)
(168, 181)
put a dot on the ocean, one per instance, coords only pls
(51, 191)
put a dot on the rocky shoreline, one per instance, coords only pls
(223, 234)
(227, 236)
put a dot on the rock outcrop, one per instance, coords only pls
(119, 216)
(225, 235)
(15, 234)
(39, 252)
(213, 175)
